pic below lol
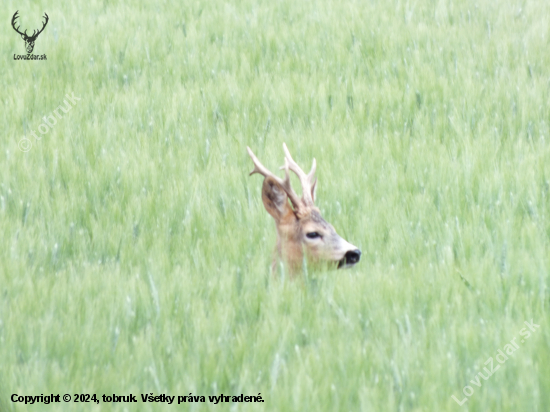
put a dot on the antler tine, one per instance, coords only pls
(43, 26)
(285, 184)
(312, 171)
(258, 166)
(15, 16)
(307, 181)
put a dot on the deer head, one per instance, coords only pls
(301, 230)
(29, 40)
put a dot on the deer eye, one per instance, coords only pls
(313, 235)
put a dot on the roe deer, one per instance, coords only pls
(301, 231)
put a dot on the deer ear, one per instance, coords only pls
(275, 199)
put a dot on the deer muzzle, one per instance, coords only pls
(350, 259)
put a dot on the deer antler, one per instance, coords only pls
(308, 181)
(17, 28)
(34, 33)
(34, 36)
(285, 184)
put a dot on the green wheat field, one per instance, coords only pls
(135, 250)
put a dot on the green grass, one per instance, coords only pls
(135, 250)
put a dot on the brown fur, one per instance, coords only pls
(293, 224)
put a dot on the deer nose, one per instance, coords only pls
(352, 257)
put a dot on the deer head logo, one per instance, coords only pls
(301, 231)
(29, 40)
